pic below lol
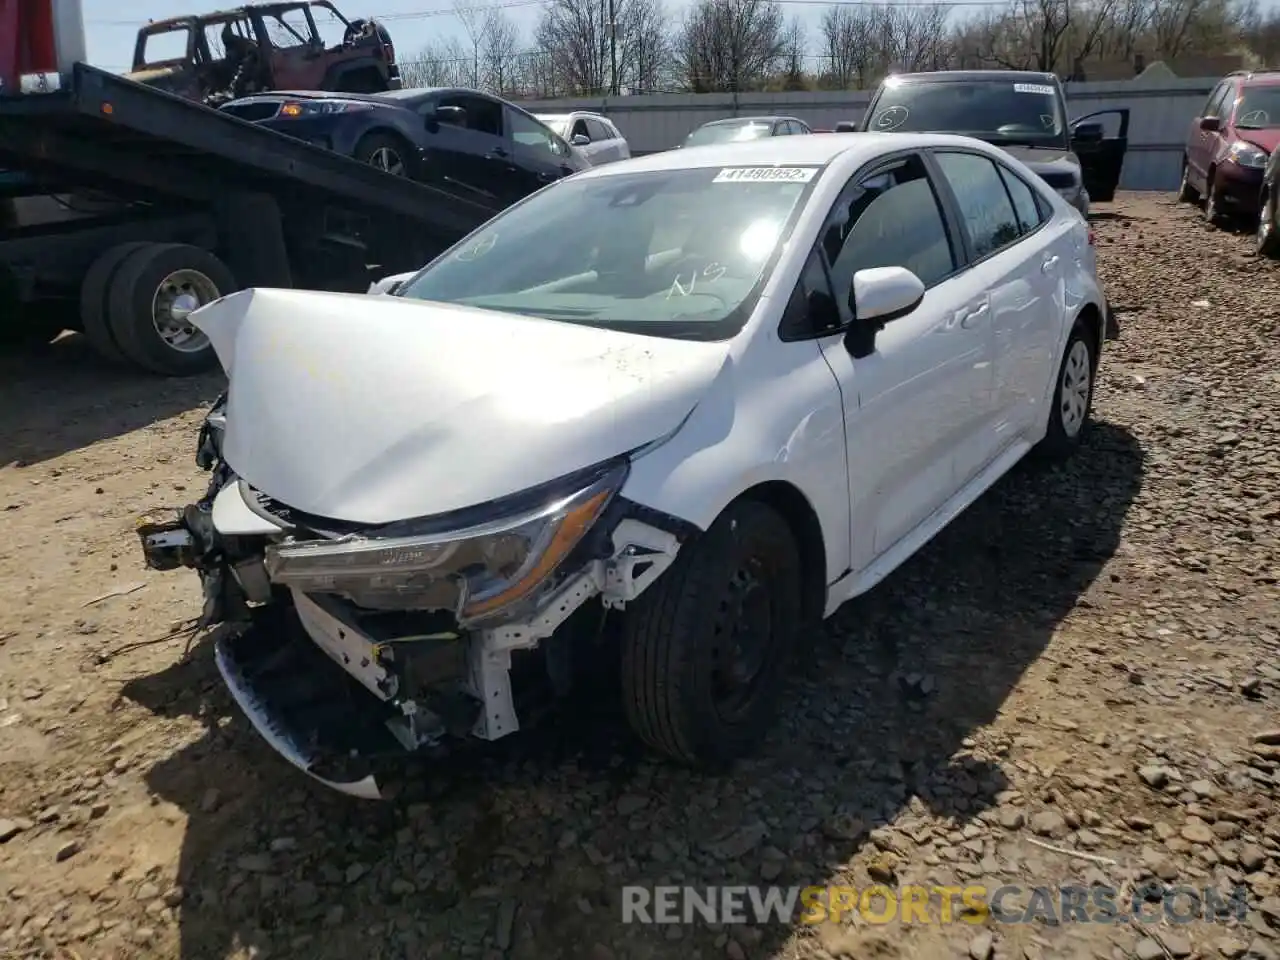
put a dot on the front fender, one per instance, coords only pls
(754, 426)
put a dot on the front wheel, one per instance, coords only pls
(384, 152)
(1072, 396)
(1267, 238)
(1186, 192)
(704, 649)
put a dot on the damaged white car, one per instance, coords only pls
(684, 405)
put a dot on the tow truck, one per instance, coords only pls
(177, 204)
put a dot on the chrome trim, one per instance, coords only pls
(268, 729)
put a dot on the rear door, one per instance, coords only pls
(1101, 157)
(603, 142)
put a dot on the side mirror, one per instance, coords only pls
(579, 140)
(456, 116)
(846, 126)
(1211, 124)
(877, 296)
(1087, 133)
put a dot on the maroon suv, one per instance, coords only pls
(1230, 143)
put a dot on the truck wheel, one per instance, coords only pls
(153, 293)
(385, 152)
(93, 300)
(704, 649)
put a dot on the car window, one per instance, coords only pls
(1214, 106)
(531, 135)
(812, 310)
(985, 206)
(1002, 111)
(1228, 102)
(580, 130)
(288, 28)
(799, 127)
(483, 115)
(668, 252)
(598, 130)
(890, 218)
(1030, 213)
(165, 46)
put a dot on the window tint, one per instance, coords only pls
(984, 203)
(1214, 106)
(801, 127)
(888, 219)
(598, 130)
(528, 133)
(1030, 213)
(483, 115)
(580, 130)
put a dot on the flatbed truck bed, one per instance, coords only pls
(197, 204)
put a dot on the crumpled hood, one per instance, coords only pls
(375, 409)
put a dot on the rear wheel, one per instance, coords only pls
(152, 296)
(1072, 395)
(1186, 192)
(704, 649)
(93, 300)
(385, 152)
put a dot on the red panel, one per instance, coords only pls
(27, 41)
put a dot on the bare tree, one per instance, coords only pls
(442, 64)
(500, 50)
(729, 45)
(846, 46)
(572, 34)
(472, 19)
(794, 43)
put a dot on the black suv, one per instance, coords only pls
(1023, 112)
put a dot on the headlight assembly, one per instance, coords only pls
(478, 572)
(1247, 155)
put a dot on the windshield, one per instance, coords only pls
(558, 123)
(1001, 111)
(1259, 107)
(671, 253)
(729, 132)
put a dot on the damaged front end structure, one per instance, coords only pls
(351, 647)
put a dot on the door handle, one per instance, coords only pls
(1049, 263)
(973, 316)
(497, 153)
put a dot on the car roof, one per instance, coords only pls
(781, 151)
(1260, 78)
(731, 120)
(957, 76)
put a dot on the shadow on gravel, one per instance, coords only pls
(521, 848)
(61, 396)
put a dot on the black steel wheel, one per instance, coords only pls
(705, 648)
(93, 300)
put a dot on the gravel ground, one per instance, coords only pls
(1086, 660)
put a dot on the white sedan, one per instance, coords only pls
(741, 386)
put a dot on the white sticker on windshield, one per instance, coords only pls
(765, 175)
(1041, 88)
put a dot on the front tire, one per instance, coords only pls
(1267, 237)
(704, 649)
(1186, 192)
(384, 152)
(1212, 210)
(1072, 396)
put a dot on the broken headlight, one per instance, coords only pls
(477, 572)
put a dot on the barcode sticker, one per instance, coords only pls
(765, 175)
(1041, 88)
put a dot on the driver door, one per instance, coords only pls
(1101, 159)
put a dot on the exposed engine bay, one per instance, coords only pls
(352, 647)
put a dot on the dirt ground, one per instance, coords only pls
(1077, 682)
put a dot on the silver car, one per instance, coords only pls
(593, 136)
